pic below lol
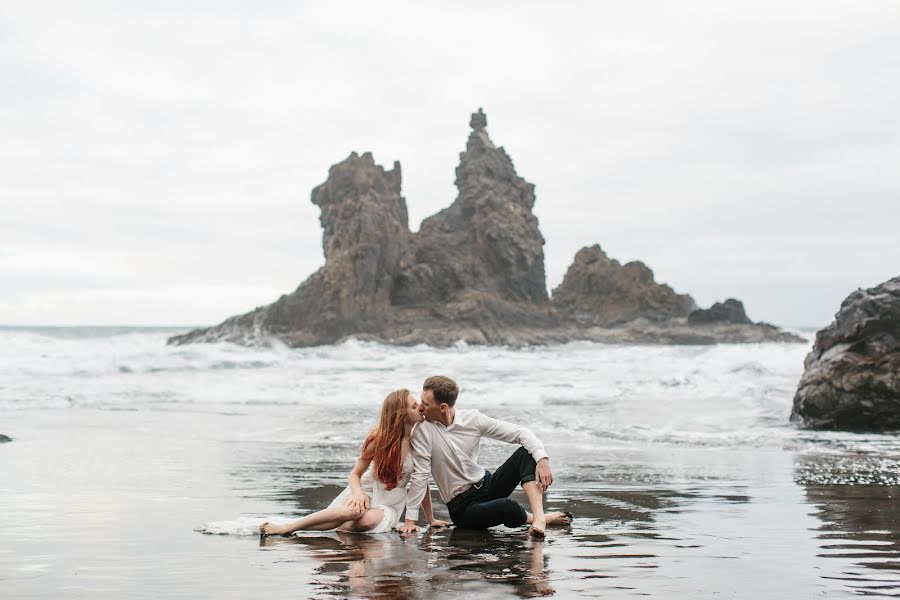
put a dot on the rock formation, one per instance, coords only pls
(730, 311)
(473, 272)
(4, 438)
(851, 379)
(597, 290)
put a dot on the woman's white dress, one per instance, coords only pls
(391, 502)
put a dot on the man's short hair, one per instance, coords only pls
(444, 389)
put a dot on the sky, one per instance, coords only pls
(157, 158)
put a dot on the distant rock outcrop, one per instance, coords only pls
(852, 376)
(4, 438)
(597, 290)
(473, 272)
(730, 311)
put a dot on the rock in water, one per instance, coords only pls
(4, 438)
(597, 290)
(730, 311)
(473, 272)
(851, 379)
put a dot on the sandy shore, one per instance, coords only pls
(108, 504)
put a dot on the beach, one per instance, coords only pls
(141, 470)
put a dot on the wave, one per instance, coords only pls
(706, 396)
(243, 526)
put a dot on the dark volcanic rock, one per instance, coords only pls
(473, 272)
(487, 240)
(852, 376)
(598, 290)
(366, 233)
(730, 311)
(4, 438)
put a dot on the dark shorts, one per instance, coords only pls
(489, 504)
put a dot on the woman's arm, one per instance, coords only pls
(358, 500)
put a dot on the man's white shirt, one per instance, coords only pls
(450, 454)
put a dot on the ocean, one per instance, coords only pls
(142, 470)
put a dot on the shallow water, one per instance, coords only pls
(678, 462)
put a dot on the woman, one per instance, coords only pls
(387, 449)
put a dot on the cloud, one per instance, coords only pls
(745, 149)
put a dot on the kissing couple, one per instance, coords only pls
(418, 440)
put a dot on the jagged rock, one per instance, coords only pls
(487, 240)
(4, 438)
(730, 311)
(597, 290)
(473, 272)
(851, 379)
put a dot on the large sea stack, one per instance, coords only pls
(851, 379)
(474, 272)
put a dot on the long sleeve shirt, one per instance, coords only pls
(450, 454)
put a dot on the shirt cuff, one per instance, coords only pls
(539, 454)
(412, 514)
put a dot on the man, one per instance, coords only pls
(446, 446)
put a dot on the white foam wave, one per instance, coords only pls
(698, 395)
(239, 526)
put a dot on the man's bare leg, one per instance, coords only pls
(535, 496)
(322, 520)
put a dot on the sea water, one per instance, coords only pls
(685, 477)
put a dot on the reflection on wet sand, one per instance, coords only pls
(358, 565)
(860, 525)
(511, 559)
(615, 537)
(392, 566)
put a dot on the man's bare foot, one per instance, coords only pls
(537, 528)
(270, 529)
(559, 518)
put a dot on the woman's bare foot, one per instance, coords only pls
(270, 529)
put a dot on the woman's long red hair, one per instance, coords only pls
(384, 444)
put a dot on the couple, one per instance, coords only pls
(432, 438)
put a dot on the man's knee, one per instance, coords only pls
(524, 457)
(515, 515)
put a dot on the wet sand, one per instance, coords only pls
(113, 504)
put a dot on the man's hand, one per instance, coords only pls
(543, 473)
(436, 523)
(409, 526)
(358, 502)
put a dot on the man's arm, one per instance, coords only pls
(518, 434)
(512, 433)
(418, 483)
(429, 512)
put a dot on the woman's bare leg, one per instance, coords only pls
(330, 518)
(367, 522)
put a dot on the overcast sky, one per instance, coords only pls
(157, 158)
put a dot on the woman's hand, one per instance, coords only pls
(358, 502)
(437, 523)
